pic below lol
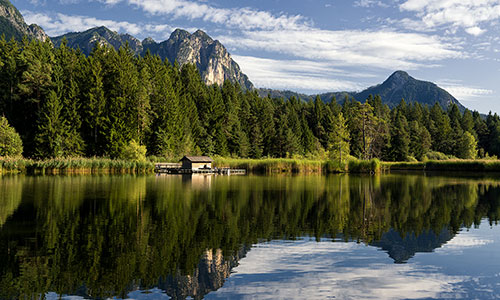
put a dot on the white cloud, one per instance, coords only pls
(295, 75)
(475, 31)
(58, 24)
(461, 92)
(453, 14)
(381, 49)
(243, 18)
(311, 270)
(466, 241)
(370, 3)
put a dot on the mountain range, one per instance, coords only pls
(400, 85)
(214, 61)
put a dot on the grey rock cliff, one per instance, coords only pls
(12, 24)
(212, 59)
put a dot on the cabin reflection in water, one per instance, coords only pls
(197, 181)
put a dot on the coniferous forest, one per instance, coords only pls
(63, 103)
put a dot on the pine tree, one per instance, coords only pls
(36, 64)
(95, 118)
(66, 74)
(440, 130)
(420, 140)
(339, 147)
(400, 140)
(50, 136)
(10, 76)
(467, 122)
(362, 126)
(482, 132)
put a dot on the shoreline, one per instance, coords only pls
(65, 166)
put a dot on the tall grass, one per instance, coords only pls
(74, 165)
(446, 165)
(365, 166)
(272, 165)
(298, 165)
(82, 165)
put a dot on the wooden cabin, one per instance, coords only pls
(196, 162)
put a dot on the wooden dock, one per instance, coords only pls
(172, 168)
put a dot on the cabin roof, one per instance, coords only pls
(197, 159)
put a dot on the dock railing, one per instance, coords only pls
(173, 168)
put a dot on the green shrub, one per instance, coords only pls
(335, 166)
(435, 155)
(365, 166)
(411, 159)
(10, 141)
(134, 151)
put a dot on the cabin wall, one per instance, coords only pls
(197, 166)
(186, 164)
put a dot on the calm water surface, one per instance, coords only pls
(266, 237)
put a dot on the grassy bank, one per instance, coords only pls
(272, 165)
(446, 165)
(298, 165)
(290, 165)
(260, 166)
(73, 166)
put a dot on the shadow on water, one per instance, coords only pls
(105, 236)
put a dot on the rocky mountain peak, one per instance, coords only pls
(202, 35)
(212, 59)
(12, 24)
(179, 34)
(148, 40)
(400, 85)
(399, 78)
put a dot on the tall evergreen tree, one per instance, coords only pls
(400, 140)
(52, 128)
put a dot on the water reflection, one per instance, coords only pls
(107, 236)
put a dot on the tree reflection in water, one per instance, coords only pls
(105, 236)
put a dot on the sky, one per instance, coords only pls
(316, 46)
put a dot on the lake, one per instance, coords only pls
(399, 236)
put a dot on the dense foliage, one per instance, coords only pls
(10, 141)
(64, 103)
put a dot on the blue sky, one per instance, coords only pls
(315, 46)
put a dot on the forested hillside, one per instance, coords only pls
(64, 103)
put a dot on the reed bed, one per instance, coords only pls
(272, 165)
(365, 166)
(74, 165)
(446, 165)
(80, 165)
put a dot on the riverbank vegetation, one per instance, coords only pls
(77, 165)
(114, 104)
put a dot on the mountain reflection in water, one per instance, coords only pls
(111, 236)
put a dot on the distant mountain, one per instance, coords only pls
(282, 94)
(12, 24)
(400, 85)
(401, 249)
(210, 56)
(88, 39)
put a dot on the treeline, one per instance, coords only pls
(63, 104)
